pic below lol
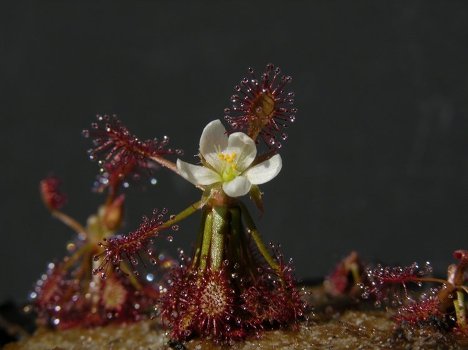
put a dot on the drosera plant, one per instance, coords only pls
(443, 306)
(346, 277)
(233, 284)
(76, 291)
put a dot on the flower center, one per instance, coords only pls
(229, 160)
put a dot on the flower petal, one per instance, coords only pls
(244, 147)
(213, 140)
(198, 175)
(265, 171)
(240, 186)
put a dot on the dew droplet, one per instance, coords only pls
(175, 227)
(71, 247)
(170, 238)
(153, 181)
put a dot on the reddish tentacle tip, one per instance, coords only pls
(419, 312)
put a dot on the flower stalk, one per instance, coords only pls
(218, 233)
(460, 310)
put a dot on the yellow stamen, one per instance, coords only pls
(229, 171)
(227, 157)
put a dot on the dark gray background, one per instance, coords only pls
(377, 160)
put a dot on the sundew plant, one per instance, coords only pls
(233, 284)
(441, 307)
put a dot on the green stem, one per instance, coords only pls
(198, 244)
(234, 243)
(459, 304)
(181, 216)
(239, 245)
(205, 249)
(70, 222)
(252, 230)
(130, 275)
(169, 165)
(76, 255)
(218, 234)
(355, 273)
(430, 280)
(465, 288)
(164, 163)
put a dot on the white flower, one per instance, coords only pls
(228, 160)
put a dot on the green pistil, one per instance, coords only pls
(229, 173)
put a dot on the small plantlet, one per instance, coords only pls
(233, 284)
(80, 291)
(347, 276)
(443, 306)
